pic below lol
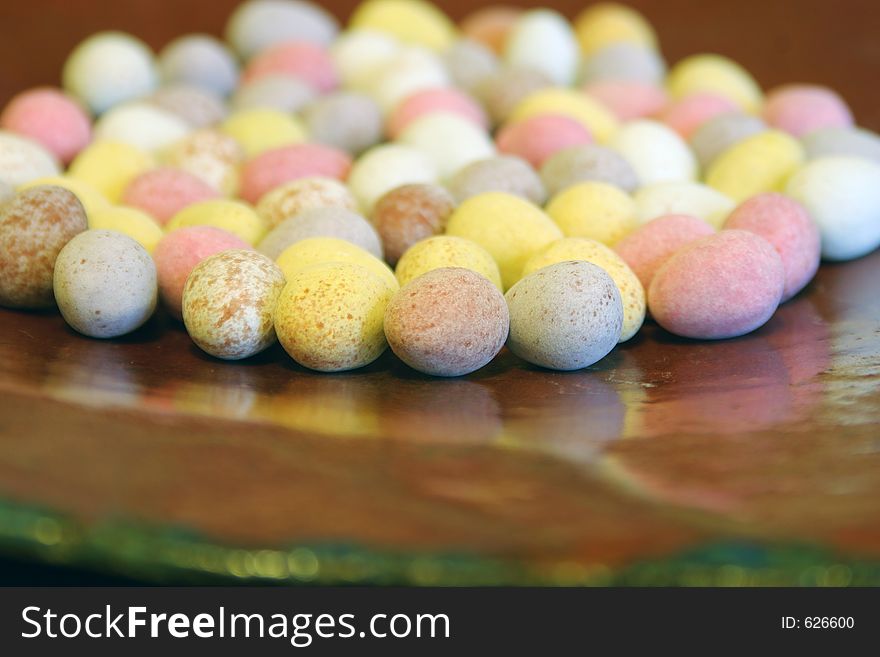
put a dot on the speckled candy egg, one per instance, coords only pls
(109, 68)
(209, 155)
(606, 23)
(689, 198)
(786, 225)
(109, 166)
(91, 199)
(260, 24)
(329, 317)
(409, 70)
(346, 120)
(410, 21)
(428, 101)
(798, 109)
(687, 114)
(199, 108)
(714, 74)
(300, 59)
(575, 104)
(410, 213)
(564, 317)
(303, 194)
(277, 92)
(446, 251)
(655, 152)
(629, 99)
(503, 90)
(624, 61)
(51, 118)
(856, 142)
(234, 216)
(23, 160)
(360, 54)
(319, 250)
(632, 293)
(469, 63)
(537, 138)
(34, 226)
(720, 286)
(322, 222)
(275, 167)
(448, 322)
(7, 191)
(543, 40)
(142, 125)
(590, 162)
(720, 133)
(200, 60)
(229, 301)
(164, 192)
(595, 210)
(259, 129)
(105, 284)
(384, 167)
(503, 173)
(646, 249)
(177, 254)
(449, 141)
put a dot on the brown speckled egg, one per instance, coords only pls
(448, 322)
(411, 213)
(229, 301)
(34, 226)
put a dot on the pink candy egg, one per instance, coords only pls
(788, 227)
(307, 61)
(720, 286)
(629, 99)
(435, 100)
(163, 192)
(649, 247)
(801, 108)
(268, 170)
(51, 118)
(537, 138)
(686, 115)
(177, 254)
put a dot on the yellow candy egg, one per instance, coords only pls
(262, 129)
(320, 250)
(596, 210)
(109, 166)
(446, 251)
(411, 21)
(138, 225)
(330, 317)
(761, 163)
(714, 74)
(91, 199)
(592, 114)
(608, 22)
(235, 217)
(508, 227)
(632, 294)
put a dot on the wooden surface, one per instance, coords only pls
(144, 455)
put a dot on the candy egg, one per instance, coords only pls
(359, 54)
(798, 109)
(647, 248)
(447, 322)
(259, 130)
(197, 107)
(717, 75)
(229, 302)
(259, 24)
(6, 192)
(134, 223)
(564, 317)
(720, 286)
(537, 138)
(429, 101)
(92, 200)
(329, 317)
(408, 214)
(491, 25)
(177, 254)
(842, 195)
(275, 167)
(300, 59)
(23, 160)
(322, 222)
(411, 21)
(720, 133)
(595, 210)
(232, 216)
(410, 70)
(632, 293)
(656, 153)
(761, 163)
(50, 118)
(164, 192)
(384, 167)
(589, 162)
(502, 91)
(608, 23)
(624, 61)
(594, 116)
(688, 198)
(469, 63)
(449, 141)
(109, 68)
(200, 60)
(303, 194)
(209, 155)
(348, 121)
(543, 40)
(508, 227)
(109, 167)
(687, 114)
(504, 173)
(629, 99)
(787, 226)
(855, 142)
(319, 250)
(275, 92)
(446, 251)
(141, 125)
(105, 284)
(34, 226)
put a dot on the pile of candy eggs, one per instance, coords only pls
(440, 189)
